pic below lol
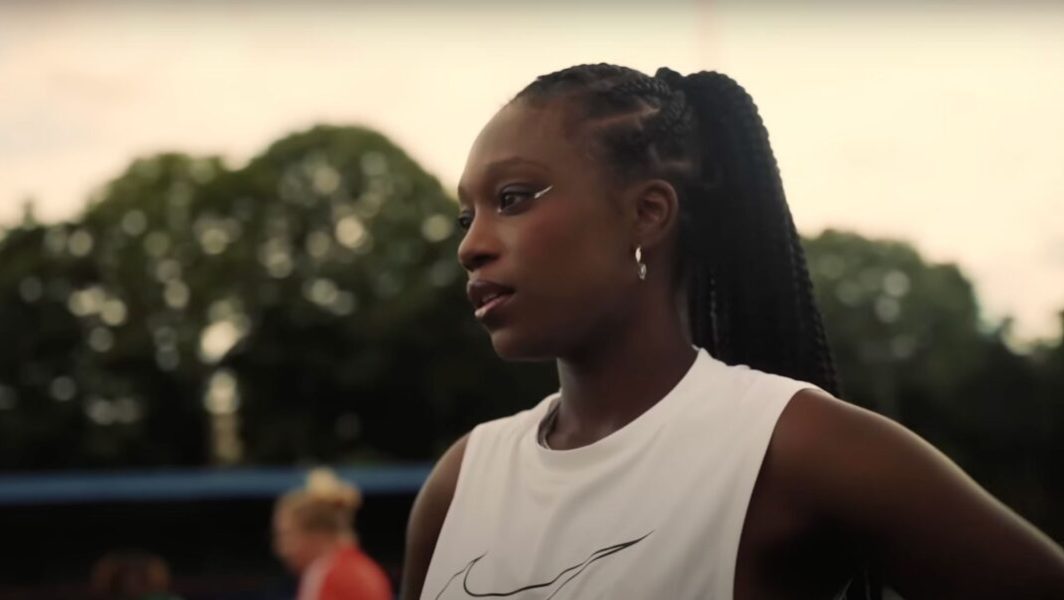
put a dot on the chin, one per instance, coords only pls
(512, 346)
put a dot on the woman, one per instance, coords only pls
(634, 229)
(313, 535)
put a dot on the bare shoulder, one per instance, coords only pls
(819, 437)
(934, 531)
(427, 516)
(440, 485)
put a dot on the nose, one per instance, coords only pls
(480, 245)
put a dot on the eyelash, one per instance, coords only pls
(465, 219)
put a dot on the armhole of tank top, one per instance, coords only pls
(461, 482)
(463, 469)
(779, 395)
(448, 517)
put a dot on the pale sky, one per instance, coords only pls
(940, 126)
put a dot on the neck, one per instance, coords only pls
(609, 383)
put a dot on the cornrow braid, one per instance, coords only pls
(755, 258)
(750, 297)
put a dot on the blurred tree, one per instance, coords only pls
(1049, 363)
(905, 333)
(360, 340)
(103, 331)
(308, 307)
(43, 349)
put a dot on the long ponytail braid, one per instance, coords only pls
(750, 275)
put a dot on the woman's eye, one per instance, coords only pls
(465, 221)
(508, 198)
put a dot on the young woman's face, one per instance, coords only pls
(549, 243)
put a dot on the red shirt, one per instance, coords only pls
(347, 574)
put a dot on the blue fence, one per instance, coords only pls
(193, 484)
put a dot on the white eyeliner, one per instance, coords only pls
(543, 191)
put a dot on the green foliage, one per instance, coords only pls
(321, 278)
(897, 325)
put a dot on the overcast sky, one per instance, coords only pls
(940, 126)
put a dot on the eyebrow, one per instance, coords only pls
(498, 165)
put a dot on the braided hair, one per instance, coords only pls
(750, 298)
(749, 295)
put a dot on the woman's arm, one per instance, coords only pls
(931, 528)
(426, 519)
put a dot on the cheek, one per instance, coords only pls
(292, 547)
(569, 278)
(573, 263)
(284, 548)
(582, 249)
(298, 556)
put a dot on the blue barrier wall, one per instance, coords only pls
(197, 484)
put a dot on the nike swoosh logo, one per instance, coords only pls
(552, 587)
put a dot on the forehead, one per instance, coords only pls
(540, 133)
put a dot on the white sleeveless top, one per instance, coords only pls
(652, 511)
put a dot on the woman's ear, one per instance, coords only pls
(657, 209)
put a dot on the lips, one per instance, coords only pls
(486, 296)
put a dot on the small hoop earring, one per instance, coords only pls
(641, 268)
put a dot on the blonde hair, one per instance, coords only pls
(326, 504)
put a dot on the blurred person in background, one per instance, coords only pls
(634, 229)
(131, 575)
(313, 530)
